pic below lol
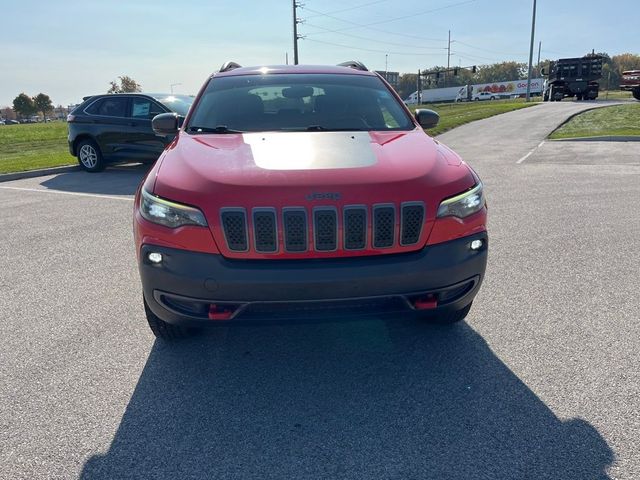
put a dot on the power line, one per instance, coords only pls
(348, 9)
(473, 55)
(484, 49)
(369, 49)
(375, 40)
(358, 25)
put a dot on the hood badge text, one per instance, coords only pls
(324, 196)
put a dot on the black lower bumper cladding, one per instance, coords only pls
(196, 288)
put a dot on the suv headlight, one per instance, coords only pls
(463, 205)
(170, 214)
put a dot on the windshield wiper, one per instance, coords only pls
(217, 129)
(320, 128)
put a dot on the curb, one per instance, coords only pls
(7, 177)
(609, 138)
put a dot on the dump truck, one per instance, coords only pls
(573, 77)
(630, 82)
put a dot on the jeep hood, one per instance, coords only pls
(275, 168)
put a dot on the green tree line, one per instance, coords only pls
(612, 69)
(26, 106)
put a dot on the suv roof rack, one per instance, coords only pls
(354, 64)
(229, 66)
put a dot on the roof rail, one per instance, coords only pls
(229, 66)
(354, 64)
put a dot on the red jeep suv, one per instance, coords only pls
(305, 193)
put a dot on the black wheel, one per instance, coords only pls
(162, 329)
(448, 318)
(90, 156)
(636, 93)
(492, 98)
(579, 97)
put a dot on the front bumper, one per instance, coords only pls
(184, 286)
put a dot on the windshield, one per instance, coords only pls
(176, 103)
(297, 102)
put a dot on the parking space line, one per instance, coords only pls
(530, 153)
(77, 194)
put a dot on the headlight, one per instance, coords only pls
(169, 214)
(463, 205)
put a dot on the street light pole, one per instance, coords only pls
(533, 31)
(174, 85)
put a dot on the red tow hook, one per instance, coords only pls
(217, 312)
(427, 302)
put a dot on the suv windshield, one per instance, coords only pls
(297, 102)
(176, 103)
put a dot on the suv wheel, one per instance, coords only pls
(162, 329)
(90, 156)
(448, 318)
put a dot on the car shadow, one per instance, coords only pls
(358, 400)
(114, 180)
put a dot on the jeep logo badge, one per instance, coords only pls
(323, 196)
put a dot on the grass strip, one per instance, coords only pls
(613, 121)
(453, 115)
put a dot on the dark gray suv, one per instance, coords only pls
(117, 127)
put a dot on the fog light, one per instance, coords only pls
(476, 245)
(155, 257)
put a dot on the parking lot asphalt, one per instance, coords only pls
(541, 382)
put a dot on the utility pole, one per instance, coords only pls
(174, 85)
(448, 59)
(533, 31)
(295, 33)
(539, 49)
(419, 87)
(386, 65)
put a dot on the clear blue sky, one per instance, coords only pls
(72, 48)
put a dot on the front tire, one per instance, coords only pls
(636, 93)
(449, 318)
(162, 329)
(89, 156)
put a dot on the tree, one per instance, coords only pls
(24, 106)
(127, 85)
(8, 113)
(407, 84)
(501, 72)
(43, 104)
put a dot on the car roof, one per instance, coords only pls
(156, 96)
(296, 69)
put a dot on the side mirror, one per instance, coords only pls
(427, 118)
(544, 72)
(166, 123)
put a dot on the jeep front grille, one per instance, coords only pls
(384, 223)
(355, 227)
(295, 229)
(411, 220)
(234, 224)
(265, 231)
(325, 226)
(323, 229)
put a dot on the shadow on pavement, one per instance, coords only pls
(115, 180)
(359, 400)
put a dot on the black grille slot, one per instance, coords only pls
(325, 226)
(384, 219)
(295, 230)
(234, 224)
(412, 219)
(264, 231)
(355, 228)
